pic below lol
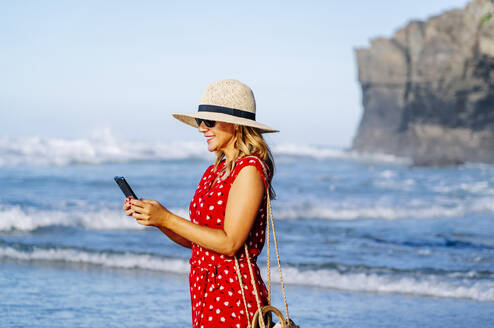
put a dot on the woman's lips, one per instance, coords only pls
(209, 138)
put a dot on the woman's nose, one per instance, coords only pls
(202, 127)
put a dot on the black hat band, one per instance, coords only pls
(227, 110)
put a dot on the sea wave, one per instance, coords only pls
(17, 218)
(352, 211)
(30, 219)
(103, 147)
(426, 285)
(416, 284)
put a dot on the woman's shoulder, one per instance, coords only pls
(252, 160)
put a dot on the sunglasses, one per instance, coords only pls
(208, 123)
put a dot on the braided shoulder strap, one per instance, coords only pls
(269, 219)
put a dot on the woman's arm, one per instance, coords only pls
(176, 238)
(243, 203)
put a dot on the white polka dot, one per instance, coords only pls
(222, 319)
(230, 293)
(210, 319)
(217, 298)
(218, 311)
(226, 303)
(220, 202)
(208, 217)
(211, 207)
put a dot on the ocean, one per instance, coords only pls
(365, 240)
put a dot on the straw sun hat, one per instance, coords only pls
(228, 101)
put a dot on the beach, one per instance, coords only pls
(365, 241)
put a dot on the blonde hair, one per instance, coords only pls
(248, 141)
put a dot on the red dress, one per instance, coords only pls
(214, 288)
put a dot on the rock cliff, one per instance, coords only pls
(428, 91)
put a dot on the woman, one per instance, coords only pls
(228, 208)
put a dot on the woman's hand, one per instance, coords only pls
(147, 212)
(126, 206)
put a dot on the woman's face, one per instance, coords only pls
(220, 137)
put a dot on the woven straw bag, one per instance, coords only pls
(263, 316)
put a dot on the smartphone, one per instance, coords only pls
(124, 186)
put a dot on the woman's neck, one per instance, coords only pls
(229, 152)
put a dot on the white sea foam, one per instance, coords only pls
(16, 218)
(426, 285)
(474, 187)
(323, 152)
(103, 147)
(351, 211)
(110, 260)
(99, 148)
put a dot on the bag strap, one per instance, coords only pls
(269, 219)
(253, 282)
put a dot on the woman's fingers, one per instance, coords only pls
(140, 206)
(140, 216)
(137, 202)
(143, 222)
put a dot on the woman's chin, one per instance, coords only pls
(211, 147)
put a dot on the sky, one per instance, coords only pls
(70, 69)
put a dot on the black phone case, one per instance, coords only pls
(124, 186)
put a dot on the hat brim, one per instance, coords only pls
(190, 119)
